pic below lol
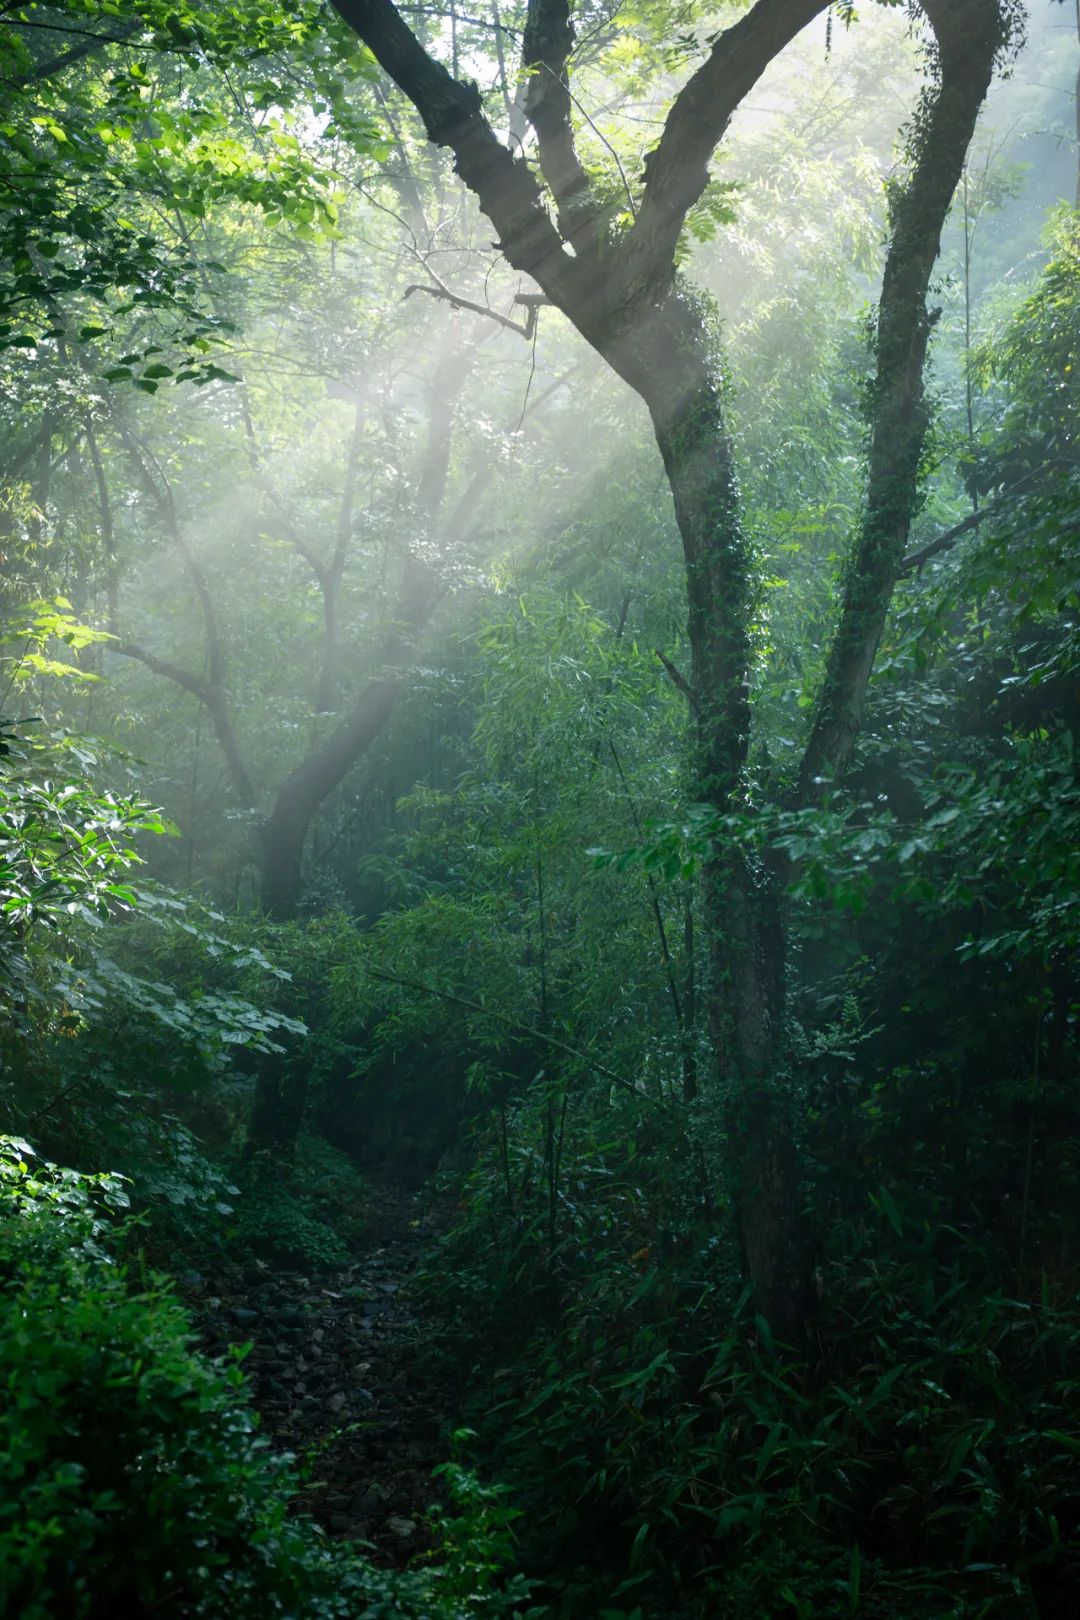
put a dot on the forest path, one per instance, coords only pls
(334, 1374)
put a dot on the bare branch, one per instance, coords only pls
(916, 559)
(944, 542)
(215, 702)
(164, 667)
(496, 25)
(406, 180)
(438, 290)
(91, 43)
(602, 138)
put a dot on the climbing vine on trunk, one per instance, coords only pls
(624, 295)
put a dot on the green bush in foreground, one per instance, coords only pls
(132, 1477)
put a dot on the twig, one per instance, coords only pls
(472, 22)
(603, 138)
(439, 291)
(532, 369)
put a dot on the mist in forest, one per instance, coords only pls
(539, 809)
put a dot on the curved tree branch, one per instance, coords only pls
(213, 700)
(211, 690)
(162, 496)
(285, 830)
(453, 116)
(176, 673)
(677, 169)
(438, 290)
(971, 35)
(945, 541)
(90, 43)
(598, 291)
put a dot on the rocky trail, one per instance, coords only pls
(334, 1372)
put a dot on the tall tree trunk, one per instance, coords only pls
(284, 833)
(623, 298)
(305, 790)
(673, 363)
(970, 34)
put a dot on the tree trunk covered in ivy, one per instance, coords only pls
(674, 363)
(625, 299)
(970, 34)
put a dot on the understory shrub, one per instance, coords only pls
(132, 1476)
(273, 1225)
(306, 1215)
(920, 1461)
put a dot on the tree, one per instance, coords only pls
(126, 256)
(621, 290)
(284, 832)
(104, 175)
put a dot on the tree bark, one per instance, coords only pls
(659, 339)
(284, 833)
(674, 366)
(623, 298)
(546, 47)
(970, 35)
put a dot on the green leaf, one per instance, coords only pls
(887, 1204)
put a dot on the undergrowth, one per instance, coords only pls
(135, 1480)
(920, 1461)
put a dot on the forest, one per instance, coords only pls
(539, 809)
